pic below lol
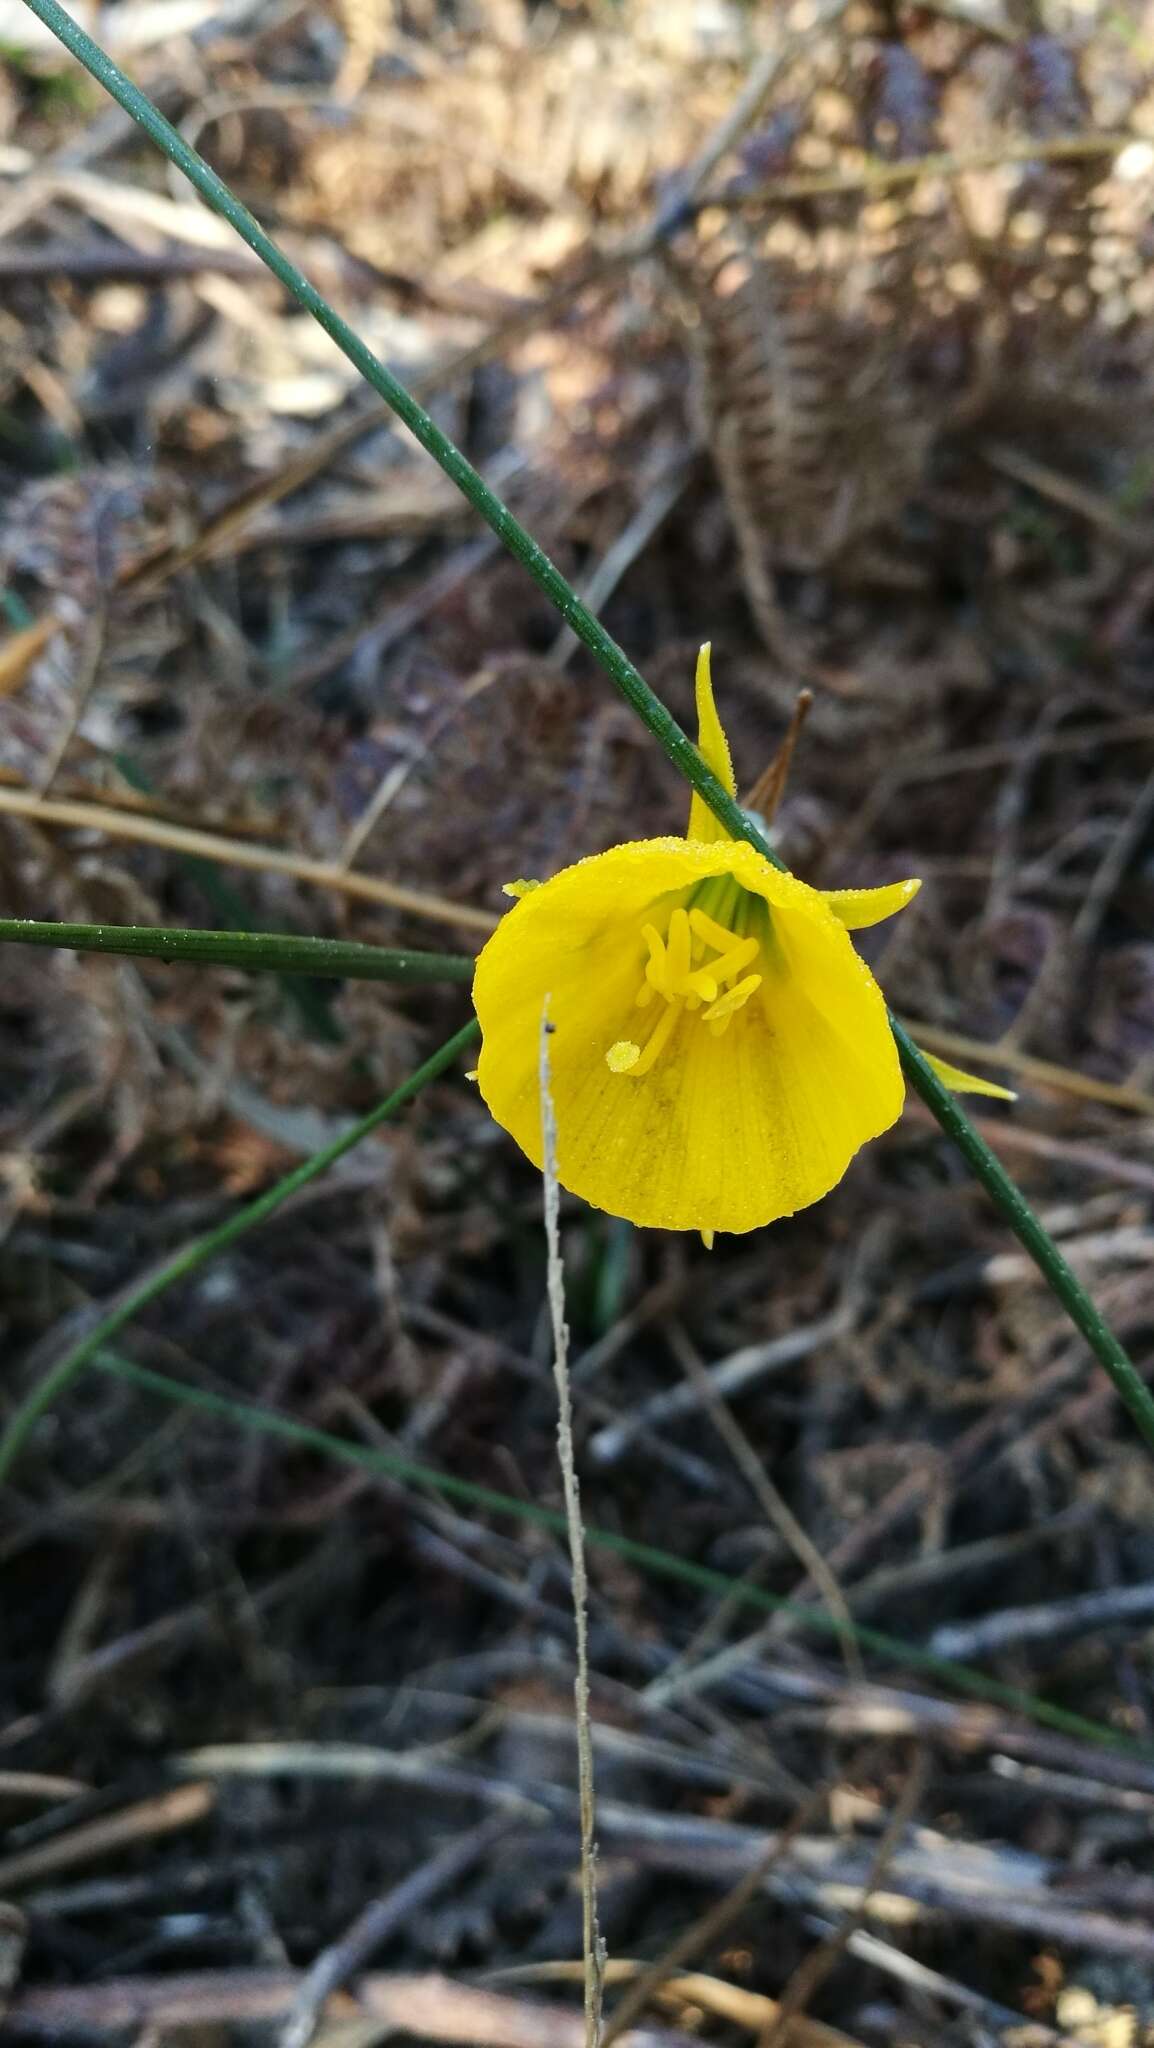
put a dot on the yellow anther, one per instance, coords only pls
(732, 1000)
(622, 1056)
(704, 984)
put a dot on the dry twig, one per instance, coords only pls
(594, 1947)
(240, 853)
(380, 1920)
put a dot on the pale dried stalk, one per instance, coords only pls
(773, 1504)
(874, 176)
(239, 853)
(181, 1806)
(815, 1967)
(594, 1947)
(705, 1932)
(1043, 1073)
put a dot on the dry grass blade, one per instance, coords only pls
(775, 1507)
(240, 853)
(881, 177)
(702, 1933)
(1044, 1073)
(378, 1921)
(37, 1785)
(20, 651)
(749, 2010)
(813, 1971)
(168, 1812)
(427, 2006)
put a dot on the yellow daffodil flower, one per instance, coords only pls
(719, 1051)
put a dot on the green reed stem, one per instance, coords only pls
(274, 952)
(1008, 1198)
(391, 1465)
(1031, 1232)
(59, 1377)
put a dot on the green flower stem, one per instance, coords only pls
(59, 1378)
(456, 466)
(254, 951)
(407, 1472)
(1060, 1277)
(1013, 1205)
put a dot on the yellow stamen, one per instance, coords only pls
(679, 950)
(733, 999)
(707, 928)
(731, 963)
(670, 973)
(657, 966)
(704, 985)
(659, 1038)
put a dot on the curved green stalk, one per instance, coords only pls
(276, 952)
(1060, 1277)
(1008, 1198)
(59, 1377)
(392, 1465)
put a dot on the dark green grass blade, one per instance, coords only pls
(255, 952)
(57, 1380)
(962, 1678)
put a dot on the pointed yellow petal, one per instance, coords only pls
(713, 745)
(857, 908)
(961, 1083)
(721, 1132)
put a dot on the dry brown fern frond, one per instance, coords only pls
(840, 331)
(1053, 242)
(816, 434)
(64, 545)
(769, 394)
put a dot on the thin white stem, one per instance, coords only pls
(594, 1948)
